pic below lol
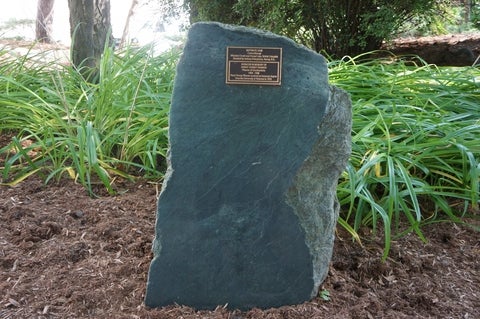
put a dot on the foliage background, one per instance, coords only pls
(337, 28)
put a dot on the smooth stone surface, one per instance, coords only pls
(247, 211)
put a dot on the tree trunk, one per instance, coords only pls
(43, 25)
(90, 29)
(102, 27)
(126, 29)
(468, 10)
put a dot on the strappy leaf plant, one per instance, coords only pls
(415, 143)
(91, 132)
(415, 151)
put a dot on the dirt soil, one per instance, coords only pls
(445, 50)
(66, 255)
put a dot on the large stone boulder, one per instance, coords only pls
(248, 207)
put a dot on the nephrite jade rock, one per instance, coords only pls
(248, 206)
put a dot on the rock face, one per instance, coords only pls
(247, 211)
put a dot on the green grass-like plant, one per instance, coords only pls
(415, 148)
(415, 154)
(92, 132)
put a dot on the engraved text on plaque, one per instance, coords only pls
(254, 65)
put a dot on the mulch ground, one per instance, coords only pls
(66, 255)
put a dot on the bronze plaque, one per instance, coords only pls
(254, 65)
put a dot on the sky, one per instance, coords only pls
(141, 26)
